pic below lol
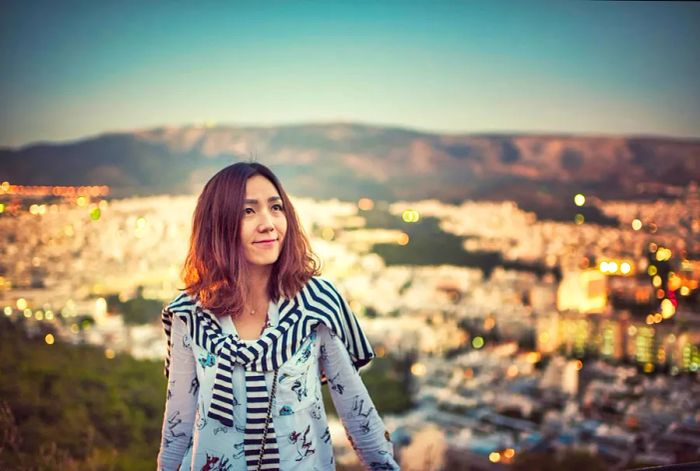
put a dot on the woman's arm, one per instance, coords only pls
(365, 428)
(181, 401)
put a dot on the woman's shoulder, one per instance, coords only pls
(323, 289)
(320, 281)
(182, 303)
(188, 307)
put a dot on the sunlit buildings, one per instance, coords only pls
(562, 374)
(547, 338)
(584, 291)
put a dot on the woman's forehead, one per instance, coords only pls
(259, 188)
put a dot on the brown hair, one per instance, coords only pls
(215, 265)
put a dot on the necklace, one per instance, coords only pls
(266, 322)
(252, 311)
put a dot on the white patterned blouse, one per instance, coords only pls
(219, 388)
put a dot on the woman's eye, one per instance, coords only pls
(277, 207)
(248, 210)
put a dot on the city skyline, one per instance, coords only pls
(581, 68)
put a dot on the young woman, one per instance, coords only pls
(251, 337)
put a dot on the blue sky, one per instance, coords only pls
(74, 69)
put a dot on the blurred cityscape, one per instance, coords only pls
(521, 335)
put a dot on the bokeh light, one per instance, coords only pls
(410, 215)
(365, 204)
(418, 369)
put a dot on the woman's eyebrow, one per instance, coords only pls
(269, 200)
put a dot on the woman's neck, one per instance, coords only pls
(258, 281)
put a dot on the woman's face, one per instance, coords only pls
(264, 223)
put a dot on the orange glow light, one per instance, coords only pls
(365, 204)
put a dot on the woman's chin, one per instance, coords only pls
(263, 261)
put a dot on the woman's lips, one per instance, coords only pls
(266, 243)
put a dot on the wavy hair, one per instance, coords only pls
(214, 270)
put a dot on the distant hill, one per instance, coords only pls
(348, 161)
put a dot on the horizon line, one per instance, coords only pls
(213, 124)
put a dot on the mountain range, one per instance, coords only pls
(348, 161)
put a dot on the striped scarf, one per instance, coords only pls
(317, 302)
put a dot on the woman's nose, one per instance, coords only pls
(265, 224)
(266, 228)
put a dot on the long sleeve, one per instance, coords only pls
(181, 401)
(365, 428)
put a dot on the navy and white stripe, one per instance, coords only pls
(258, 402)
(318, 302)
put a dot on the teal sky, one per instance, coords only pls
(74, 69)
